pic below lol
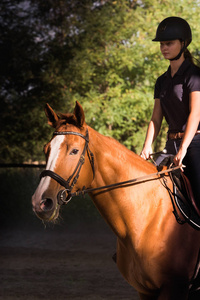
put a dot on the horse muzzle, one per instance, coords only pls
(45, 209)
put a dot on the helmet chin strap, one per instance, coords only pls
(180, 53)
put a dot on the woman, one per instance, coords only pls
(177, 98)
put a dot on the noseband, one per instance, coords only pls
(61, 197)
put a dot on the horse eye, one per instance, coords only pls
(74, 152)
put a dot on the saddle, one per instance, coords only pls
(183, 195)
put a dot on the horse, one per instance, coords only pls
(155, 254)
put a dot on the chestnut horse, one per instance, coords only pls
(155, 254)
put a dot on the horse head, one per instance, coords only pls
(66, 153)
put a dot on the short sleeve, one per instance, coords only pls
(194, 80)
(157, 89)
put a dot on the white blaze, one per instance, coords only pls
(54, 153)
(55, 149)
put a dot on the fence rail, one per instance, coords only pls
(22, 165)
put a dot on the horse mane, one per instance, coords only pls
(111, 143)
(67, 118)
(124, 154)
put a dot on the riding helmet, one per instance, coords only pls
(174, 28)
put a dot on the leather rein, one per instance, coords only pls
(62, 198)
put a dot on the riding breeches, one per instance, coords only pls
(191, 161)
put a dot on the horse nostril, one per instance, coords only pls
(46, 204)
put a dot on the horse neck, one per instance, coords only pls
(120, 207)
(114, 162)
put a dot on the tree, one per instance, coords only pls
(21, 64)
(97, 52)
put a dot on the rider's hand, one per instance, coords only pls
(146, 151)
(178, 158)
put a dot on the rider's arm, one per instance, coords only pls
(191, 127)
(153, 129)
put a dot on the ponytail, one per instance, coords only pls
(192, 59)
(188, 55)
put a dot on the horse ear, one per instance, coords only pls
(51, 115)
(79, 114)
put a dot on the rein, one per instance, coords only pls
(128, 182)
(63, 199)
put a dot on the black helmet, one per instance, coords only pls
(174, 28)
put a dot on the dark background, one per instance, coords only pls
(68, 260)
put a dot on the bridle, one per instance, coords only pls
(61, 197)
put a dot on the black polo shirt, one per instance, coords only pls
(174, 92)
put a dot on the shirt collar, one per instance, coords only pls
(186, 63)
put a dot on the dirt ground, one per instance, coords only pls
(60, 263)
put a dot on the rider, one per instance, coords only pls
(177, 98)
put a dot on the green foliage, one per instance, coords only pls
(97, 52)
